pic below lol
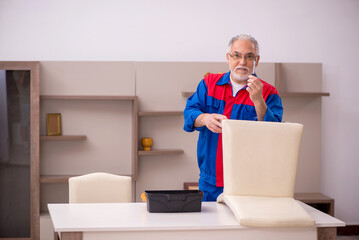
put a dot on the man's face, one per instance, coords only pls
(240, 60)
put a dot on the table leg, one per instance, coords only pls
(327, 233)
(56, 236)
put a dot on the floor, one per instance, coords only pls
(348, 238)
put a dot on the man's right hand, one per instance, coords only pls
(212, 121)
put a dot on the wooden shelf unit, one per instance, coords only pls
(151, 114)
(136, 114)
(159, 152)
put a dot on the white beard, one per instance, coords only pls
(237, 77)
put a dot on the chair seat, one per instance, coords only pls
(254, 211)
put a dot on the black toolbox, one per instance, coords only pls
(159, 201)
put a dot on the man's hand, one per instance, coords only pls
(212, 121)
(255, 89)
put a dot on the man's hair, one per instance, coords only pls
(244, 37)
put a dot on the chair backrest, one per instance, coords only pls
(260, 158)
(100, 188)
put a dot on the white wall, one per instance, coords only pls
(323, 31)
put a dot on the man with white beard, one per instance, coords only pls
(238, 94)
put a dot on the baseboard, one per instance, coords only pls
(348, 230)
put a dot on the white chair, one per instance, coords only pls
(259, 167)
(100, 188)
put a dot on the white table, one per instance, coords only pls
(132, 221)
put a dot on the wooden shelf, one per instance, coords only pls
(55, 178)
(304, 94)
(62, 178)
(64, 138)
(313, 197)
(86, 97)
(187, 94)
(159, 113)
(318, 201)
(157, 152)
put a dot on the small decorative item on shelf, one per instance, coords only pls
(146, 143)
(143, 197)
(53, 124)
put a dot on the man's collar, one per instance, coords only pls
(224, 79)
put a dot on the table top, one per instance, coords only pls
(135, 217)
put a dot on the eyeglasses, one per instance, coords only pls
(249, 57)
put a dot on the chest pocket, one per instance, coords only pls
(213, 105)
(250, 113)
